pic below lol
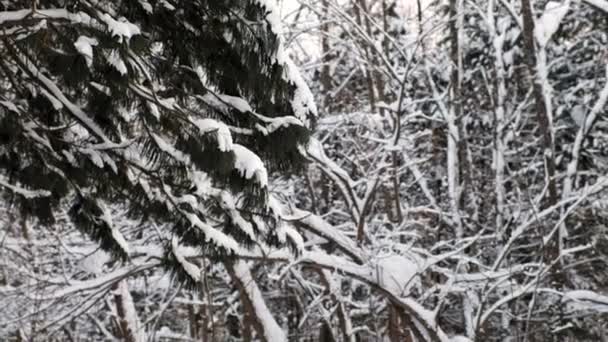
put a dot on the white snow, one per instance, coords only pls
(116, 234)
(250, 165)
(202, 181)
(167, 5)
(586, 300)
(94, 262)
(577, 113)
(84, 46)
(222, 102)
(236, 102)
(153, 109)
(105, 90)
(550, 20)
(168, 103)
(228, 203)
(224, 138)
(31, 132)
(57, 105)
(212, 234)
(193, 271)
(166, 333)
(169, 149)
(93, 156)
(10, 106)
(319, 226)
(69, 157)
(14, 15)
(55, 13)
(121, 28)
(146, 6)
(303, 102)
(600, 4)
(188, 199)
(213, 101)
(396, 272)
(272, 331)
(150, 193)
(22, 191)
(113, 58)
(316, 151)
(294, 236)
(110, 162)
(77, 286)
(278, 122)
(276, 206)
(508, 56)
(272, 16)
(129, 311)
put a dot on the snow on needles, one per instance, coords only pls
(169, 149)
(113, 58)
(6, 17)
(24, 192)
(224, 138)
(84, 46)
(211, 234)
(272, 16)
(236, 102)
(190, 268)
(250, 165)
(303, 102)
(116, 234)
(120, 28)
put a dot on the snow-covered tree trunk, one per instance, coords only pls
(455, 110)
(537, 71)
(499, 112)
(536, 64)
(256, 310)
(398, 325)
(126, 315)
(499, 132)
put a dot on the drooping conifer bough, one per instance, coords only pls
(174, 110)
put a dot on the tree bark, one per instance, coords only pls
(455, 148)
(539, 101)
(256, 312)
(362, 20)
(551, 250)
(325, 58)
(128, 320)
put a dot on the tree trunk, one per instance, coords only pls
(360, 6)
(552, 248)
(325, 71)
(454, 148)
(539, 101)
(128, 320)
(255, 309)
(397, 329)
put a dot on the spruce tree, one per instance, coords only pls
(175, 110)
